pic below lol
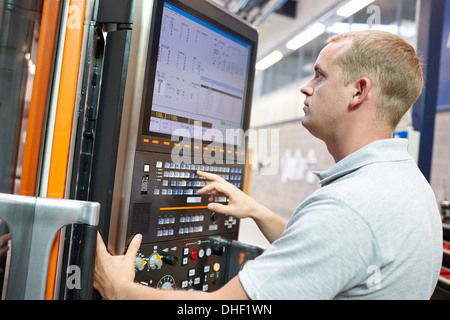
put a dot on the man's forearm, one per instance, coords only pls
(135, 291)
(233, 290)
(271, 225)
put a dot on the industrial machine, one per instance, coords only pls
(130, 99)
(194, 111)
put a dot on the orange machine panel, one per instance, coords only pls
(64, 117)
(44, 61)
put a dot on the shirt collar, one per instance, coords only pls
(377, 151)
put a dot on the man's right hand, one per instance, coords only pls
(240, 205)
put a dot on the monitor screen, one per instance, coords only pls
(201, 79)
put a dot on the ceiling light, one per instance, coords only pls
(352, 7)
(270, 60)
(306, 36)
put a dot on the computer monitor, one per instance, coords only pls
(200, 77)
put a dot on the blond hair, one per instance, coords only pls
(390, 63)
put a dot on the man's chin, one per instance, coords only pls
(307, 124)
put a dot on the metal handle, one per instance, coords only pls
(34, 224)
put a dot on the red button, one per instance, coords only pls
(194, 255)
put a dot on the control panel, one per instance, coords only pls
(191, 264)
(195, 111)
(165, 201)
(188, 101)
(185, 245)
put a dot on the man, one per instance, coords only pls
(373, 230)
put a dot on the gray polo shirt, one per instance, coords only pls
(373, 231)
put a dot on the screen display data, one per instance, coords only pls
(200, 80)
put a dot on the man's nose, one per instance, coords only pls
(307, 90)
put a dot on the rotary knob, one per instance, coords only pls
(169, 259)
(140, 262)
(154, 261)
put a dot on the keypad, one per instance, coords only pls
(178, 184)
(177, 179)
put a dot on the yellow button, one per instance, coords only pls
(216, 267)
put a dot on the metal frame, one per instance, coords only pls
(33, 224)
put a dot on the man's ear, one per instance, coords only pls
(362, 89)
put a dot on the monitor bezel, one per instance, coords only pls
(218, 17)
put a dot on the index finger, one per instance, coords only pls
(209, 176)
